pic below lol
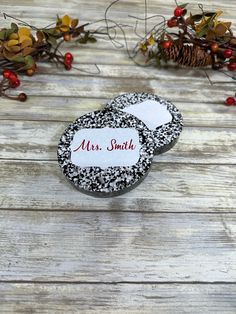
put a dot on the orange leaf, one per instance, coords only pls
(23, 31)
(23, 38)
(26, 43)
(66, 20)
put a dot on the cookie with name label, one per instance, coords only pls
(160, 116)
(106, 152)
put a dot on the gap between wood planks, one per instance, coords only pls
(119, 282)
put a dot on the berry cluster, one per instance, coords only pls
(223, 55)
(68, 59)
(10, 80)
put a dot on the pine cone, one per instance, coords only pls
(188, 55)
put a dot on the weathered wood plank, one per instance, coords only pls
(117, 247)
(69, 108)
(93, 11)
(39, 140)
(117, 299)
(85, 86)
(168, 187)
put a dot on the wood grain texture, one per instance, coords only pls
(39, 140)
(168, 187)
(167, 247)
(117, 247)
(117, 298)
(68, 108)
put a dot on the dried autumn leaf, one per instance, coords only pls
(233, 41)
(18, 58)
(74, 23)
(15, 49)
(220, 29)
(27, 51)
(8, 54)
(14, 36)
(64, 28)
(12, 42)
(210, 35)
(151, 41)
(40, 36)
(52, 40)
(66, 20)
(26, 43)
(2, 34)
(14, 27)
(23, 31)
(143, 47)
(6, 46)
(25, 38)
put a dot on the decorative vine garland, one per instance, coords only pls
(199, 40)
(21, 47)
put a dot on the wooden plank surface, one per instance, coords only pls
(166, 247)
(168, 187)
(39, 140)
(118, 299)
(117, 247)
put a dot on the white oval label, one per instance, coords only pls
(105, 147)
(151, 112)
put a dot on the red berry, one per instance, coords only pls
(172, 22)
(68, 66)
(68, 56)
(166, 44)
(6, 73)
(232, 66)
(22, 97)
(12, 77)
(178, 12)
(228, 53)
(15, 83)
(230, 101)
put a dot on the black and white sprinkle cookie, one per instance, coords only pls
(160, 116)
(106, 152)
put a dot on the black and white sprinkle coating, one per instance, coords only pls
(165, 136)
(112, 180)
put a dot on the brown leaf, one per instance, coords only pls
(233, 41)
(15, 49)
(228, 24)
(74, 23)
(210, 35)
(6, 46)
(220, 29)
(7, 54)
(27, 51)
(40, 36)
